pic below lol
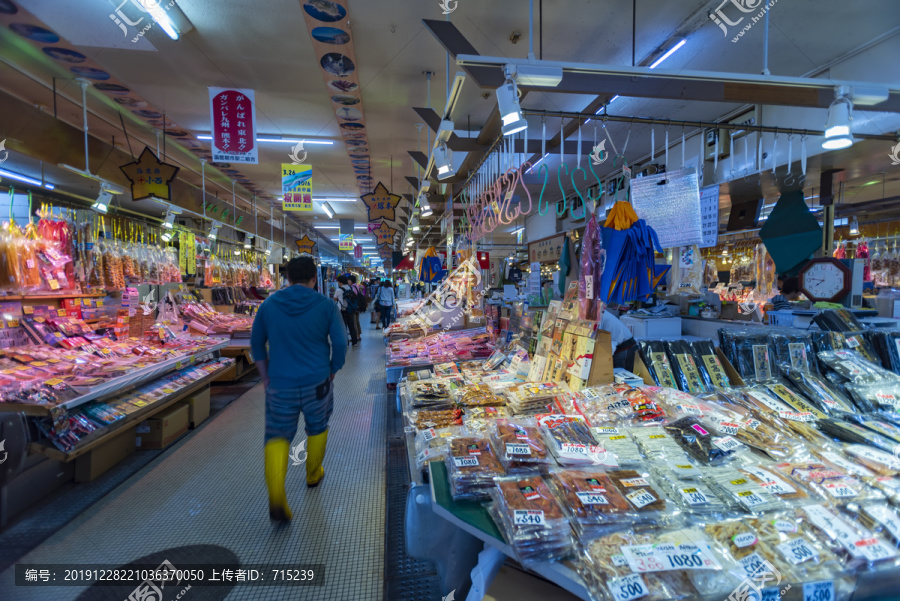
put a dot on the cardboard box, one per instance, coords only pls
(164, 428)
(92, 464)
(198, 407)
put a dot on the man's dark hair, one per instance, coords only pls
(790, 285)
(301, 270)
(342, 279)
(352, 279)
(387, 284)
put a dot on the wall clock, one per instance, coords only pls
(825, 279)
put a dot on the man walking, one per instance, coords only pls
(306, 348)
(346, 300)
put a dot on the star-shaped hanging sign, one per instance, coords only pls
(306, 244)
(150, 177)
(385, 251)
(381, 203)
(384, 234)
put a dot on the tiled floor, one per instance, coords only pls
(211, 490)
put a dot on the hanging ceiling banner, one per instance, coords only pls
(150, 177)
(384, 234)
(233, 114)
(709, 216)
(306, 244)
(386, 251)
(296, 187)
(381, 204)
(345, 242)
(357, 251)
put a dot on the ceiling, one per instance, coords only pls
(265, 46)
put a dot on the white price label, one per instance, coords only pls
(429, 434)
(874, 550)
(528, 517)
(689, 409)
(619, 560)
(606, 430)
(842, 462)
(797, 551)
(744, 539)
(471, 461)
(692, 496)
(770, 482)
(640, 498)
(729, 428)
(852, 342)
(818, 591)
(518, 449)
(573, 449)
(628, 587)
(838, 490)
(589, 294)
(591, 498)
(753, 424)
(666, 557)
(797, 416)
(726, 443)
(750, 498)
(754, 564)
(784, 526)
(885, 398)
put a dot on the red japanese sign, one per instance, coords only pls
(233, 126)
(357, 251)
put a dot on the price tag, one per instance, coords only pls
(836, 489)
(591, 498)
(684, 470)
(606, 430)
(818, 591)
(619, 437)
(54, 285)
(797, 416)
(28, 310)
(178, 365)
(168, 391)
(874, 550)
(634, 482)
(692, 496)
(770, 482)
(12, 323)
(700, 430)
(38, 364)
(619, 560)
(666, 557)
(726, 443)
(656, 436)
(885, 398)
(729, 428)
(628, 587)
(429, 434)
(797, 551)
(753, 424)
(640, 498)
(750, 498)
(573, 449)
(470, 461)
(689, 409)
(744, 539)
(852, 342)
(528, 517)
(518, 449)
(754, 564)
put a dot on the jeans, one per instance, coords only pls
(284, 405)
(386, 311)
(350, 322)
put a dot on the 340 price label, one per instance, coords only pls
(528, 517)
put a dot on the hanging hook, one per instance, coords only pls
(561, 189)
(583, 203)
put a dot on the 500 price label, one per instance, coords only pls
(628, 588)
(818, 591)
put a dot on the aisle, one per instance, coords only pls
(210, 490)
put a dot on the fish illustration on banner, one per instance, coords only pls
(150, 177)
(296, 187)
(381, 204)
(233, 113)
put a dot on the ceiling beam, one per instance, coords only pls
(419, 157)
(455, 143)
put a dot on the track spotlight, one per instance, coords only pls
(166, 235)
(169, 222)
(102, 203)
(510, 111)
(425, 206)
(854, 227)
(837, 126)
(248, 242)
(214, 230)
(443, 161)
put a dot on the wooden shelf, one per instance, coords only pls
(46, 448)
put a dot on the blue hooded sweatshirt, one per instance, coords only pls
(297, 323)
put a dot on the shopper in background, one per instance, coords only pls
(386, 303)
(346, 300)
(360, 301)
(306, 348)
(624, 345)
(790, 291)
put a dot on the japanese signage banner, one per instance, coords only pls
(150, 177)
(357, 251)
(296, 187)
(546, 250)
(709, 215)
(345, 242)
(233, 114)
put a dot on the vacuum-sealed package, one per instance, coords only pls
(754, 431)
(656, 444)
(472, 467)
(855, 545)
(742, 490)
(873, 396)
(642, 493)
(833, 484)
(784, 489)
(693, 496)
(877, 425)
(758, 544)
(838, 320)
(569, 439)
(685, 368)
(794, 350)
(519, 445)
(657, 361)
(478, 420)
(623, 449)
(755, 359)
(765, 401)
(710, 366)
(853, 367)
(881, 518)
(860, 343)
(887, 345)
(687, 271)
(478, 395)
(531, 518)
(432, 444)
(850, 432)
(880, 462)
(658, 565)
(701, 444)
(593, 501)
(797, 402)
(820, 391)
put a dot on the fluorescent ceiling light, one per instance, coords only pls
(273, 138)
(335, 199)
(25, 179)
(328, 210)
(162, 19)
(516, 231)
(669, 53)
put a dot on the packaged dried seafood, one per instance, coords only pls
(881, 518)
(657, 361)
(788, 491)
(432, 443)
(471, 466)
(623, 449)
(639, 488)
(568, 438)
(593, 501)
(519, 445)
(655, 443)
(742, 490)
(701, 444)
(853, 367)
(880, 462)
(693, 496)
(687, 374)
(855, 545)
(433, 418)
(831, 483)
(794, 351)
(478, 420)
(820, 391)
(478, 395)
(714, 374)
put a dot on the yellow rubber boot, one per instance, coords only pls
(277, 451)
(315, 446)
